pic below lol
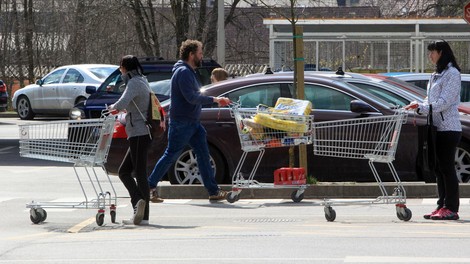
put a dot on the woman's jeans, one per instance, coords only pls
(446, 177)
(135, 164)
(180, 134)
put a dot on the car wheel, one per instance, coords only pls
(24, 109)
(462, 162)
(185, 170)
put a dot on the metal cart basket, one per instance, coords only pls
(259, 130)
(371, 138)
(85, 143)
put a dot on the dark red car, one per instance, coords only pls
(332, 99)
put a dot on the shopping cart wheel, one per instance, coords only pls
(112, 213)
(100, 218)
(406, 216)
(37, 215)
(232, 197)
(330, 214)
(399, 216)
(296, 198)
(44, 215)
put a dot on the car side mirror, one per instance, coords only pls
(90, 89)
(40, 82)
(358, 106)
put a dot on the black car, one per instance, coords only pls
(332, 99)
(111, 89)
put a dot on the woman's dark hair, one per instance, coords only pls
(130, 63)
(446, 55)
(189, 46)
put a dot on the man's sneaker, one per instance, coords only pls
(220, 195)
(154, 198)
(445, 214)
(428, 216)
(139, 211)
(131, 222)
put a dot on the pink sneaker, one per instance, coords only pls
(428, 216)
(445, 214)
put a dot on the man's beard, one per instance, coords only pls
(197, 62)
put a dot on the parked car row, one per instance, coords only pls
(333, 97)
(69, 86)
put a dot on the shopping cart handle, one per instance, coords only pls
(234, 104)
(106, 112)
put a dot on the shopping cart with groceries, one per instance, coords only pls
(265, 127)
(371, 138)
(85, 143)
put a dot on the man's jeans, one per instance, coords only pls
(180, 134)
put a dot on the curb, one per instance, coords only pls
(8, 114)
(319, 191)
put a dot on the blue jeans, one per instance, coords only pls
(180, 134)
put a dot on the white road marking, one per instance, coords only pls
(4, 199)
(390, 259)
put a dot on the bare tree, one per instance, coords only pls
(6, 47)
(145, 25)
(418, 8)
(78, 40)
(211, 36)
(180, 10)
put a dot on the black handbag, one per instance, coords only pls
(427, 144)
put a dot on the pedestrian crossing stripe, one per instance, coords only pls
(4, 199)
(433, 201)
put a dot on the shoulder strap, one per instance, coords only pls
(142, 115)
(430, 121)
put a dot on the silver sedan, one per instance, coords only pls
(59, 90)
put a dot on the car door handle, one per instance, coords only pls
(225, 124)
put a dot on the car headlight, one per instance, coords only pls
(76, 114)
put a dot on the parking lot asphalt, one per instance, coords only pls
(317, 191)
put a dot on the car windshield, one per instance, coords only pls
(410, 87)
(384, 94)
(161, 87)
(113, 83)
(102, 72)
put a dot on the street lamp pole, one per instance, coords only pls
(220, 33)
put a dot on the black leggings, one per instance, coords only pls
(135, 164)
(447, 182)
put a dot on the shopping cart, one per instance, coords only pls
(371, 138)
(85, 143)
(277, 130)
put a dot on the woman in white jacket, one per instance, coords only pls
(444, 95)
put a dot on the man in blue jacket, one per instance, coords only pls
(185, 126)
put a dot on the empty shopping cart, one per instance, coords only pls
(371, 138)
(85, 143)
